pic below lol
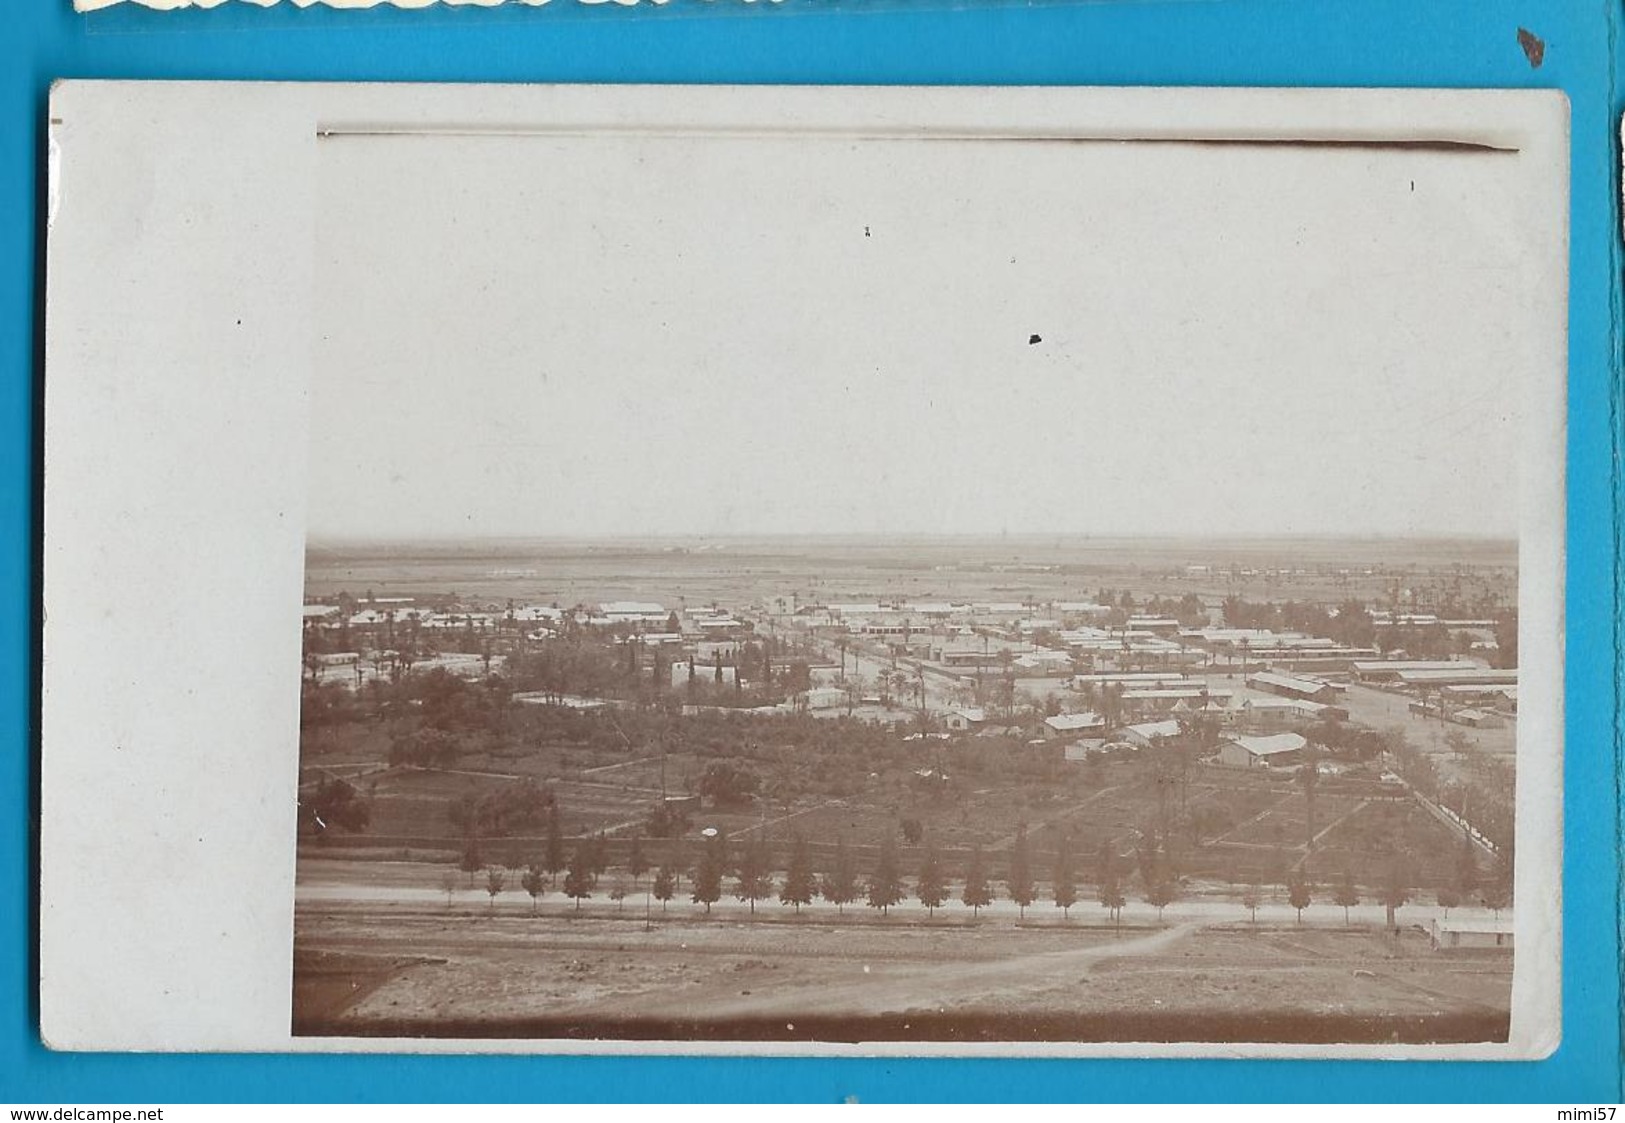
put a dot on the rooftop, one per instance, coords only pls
(1271, 746)
(1062, 723)
(1288, 682)
(1176, 692)
(1397, 665)
(1466, 673)
(1301, 704)
(631, 608)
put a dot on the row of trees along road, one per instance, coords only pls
(749, 876)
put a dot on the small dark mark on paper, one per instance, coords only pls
(1534, 47)
(1034, 338)
(866, 232)
(1413, 185)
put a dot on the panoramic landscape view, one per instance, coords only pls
(935, 790)
(912, 607)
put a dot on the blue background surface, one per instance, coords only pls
(1455, 43)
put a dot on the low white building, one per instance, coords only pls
(1043, 661)
(965, 657)
(1390, 670)
(1274, 713)
(825, 697)
(1262, 752)
(719, 626)
(1145, 735)
(1478, 719)
(964, 720)
(1293, 686)
(631, 608)
(1083, 609)
(628, 612)
(1080, 750)
(536, 614)
(1075, 723)
(1471, 933)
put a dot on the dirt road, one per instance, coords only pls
(329, 880)
(897, 987)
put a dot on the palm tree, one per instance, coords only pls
(899, 684)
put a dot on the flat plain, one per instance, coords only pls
(506, 886)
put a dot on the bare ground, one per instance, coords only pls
(396, 969)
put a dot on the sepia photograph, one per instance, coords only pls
(804, 571)
(852, 583)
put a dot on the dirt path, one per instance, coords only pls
(1008, 841)
(896, 987)
(1282, 802)
(602, 768)
(745, 832)
(1326, 830)
(473, 772)
(358, 770)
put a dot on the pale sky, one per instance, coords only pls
(577, 336)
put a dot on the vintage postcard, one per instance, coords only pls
(1043, 572)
